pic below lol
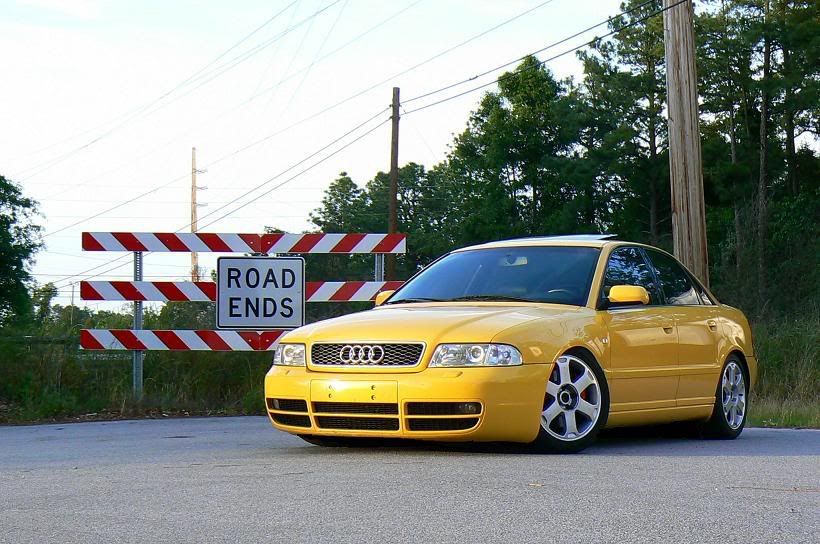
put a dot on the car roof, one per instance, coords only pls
(582, 240)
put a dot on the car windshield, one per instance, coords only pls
(560, 275)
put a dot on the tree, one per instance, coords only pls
(509, 166)
(42, 298)
(19, 241)
(631, 63)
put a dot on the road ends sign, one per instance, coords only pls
(260, 293)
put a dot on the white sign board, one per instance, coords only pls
(260, 293)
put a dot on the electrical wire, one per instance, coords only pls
(328, 108)
(73, 185)
(337, 104)
(292, 167)
(255, 188)
(157, 104)
(178, 85)
(542, 62)
(317, 163)
(411, 68)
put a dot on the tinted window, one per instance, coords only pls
(627, 266)
(677, 286)
(560, 275)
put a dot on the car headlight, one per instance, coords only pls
(475, 355)
(289, 355)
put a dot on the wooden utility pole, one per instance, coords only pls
(763, 177)
(685, 169)
(194, 228)
(392, 217)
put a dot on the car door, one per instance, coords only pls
(642, 338)
(698, 330)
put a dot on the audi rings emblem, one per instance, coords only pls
(361, 354)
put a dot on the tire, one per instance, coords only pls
(331, 441)
(731, 401)
(576, 405)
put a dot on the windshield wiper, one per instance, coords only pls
(491, 298)
(416, 299)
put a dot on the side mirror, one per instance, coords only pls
(383, 295)
(628, 294)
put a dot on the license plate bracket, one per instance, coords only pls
(354, 391)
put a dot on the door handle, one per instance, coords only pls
(712, 325)
(668, 330)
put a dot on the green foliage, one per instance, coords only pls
(19, 240)
(537, 156)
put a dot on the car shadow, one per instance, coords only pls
(656, 441)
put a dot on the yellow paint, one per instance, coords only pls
(383, 295)
(620, 294)
(661, 363)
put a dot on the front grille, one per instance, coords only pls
(442, 408)
(291, 419)
(358, 423)
(442, 424)
(355, 408)
(287, 405)
(394, 354)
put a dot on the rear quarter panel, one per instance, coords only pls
(737, 336)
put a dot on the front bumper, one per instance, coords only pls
(386, 404)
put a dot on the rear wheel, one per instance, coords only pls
(731, 402)
(576, 405)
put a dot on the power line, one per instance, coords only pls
(519, 59)
(326, 109)
(249, 53)
(383, 81)
(204, 79)
(295, 165)
(317, 163)
(179, 85)
(255, 188)
(540, 63)
(164, 185)
(73, 186)
(313, 116)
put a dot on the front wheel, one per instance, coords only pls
(576, 406)
(729, 414)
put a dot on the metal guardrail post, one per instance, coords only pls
(136, 369)
(378, 272)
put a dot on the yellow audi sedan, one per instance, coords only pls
(543, 341)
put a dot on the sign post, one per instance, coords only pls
(136, 370)
(260, 297)
(260, 293)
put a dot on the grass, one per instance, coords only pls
(788, 390)
(47, 383)
(765, 412)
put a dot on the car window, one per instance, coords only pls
(627, 266)
(675, 282)
(560, 275)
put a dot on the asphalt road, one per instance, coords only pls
(238, 480)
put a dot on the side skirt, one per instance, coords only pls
(659, 415)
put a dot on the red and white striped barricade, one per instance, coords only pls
(355, 243)
(139, 340)
(205, 291)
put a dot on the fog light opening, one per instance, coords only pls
(469, 408)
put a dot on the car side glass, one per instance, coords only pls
(627, 266)
(675, 282)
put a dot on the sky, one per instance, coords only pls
(102, 101)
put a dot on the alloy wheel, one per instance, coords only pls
(572, 403)
(733, 392)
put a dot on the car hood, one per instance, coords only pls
(432, 323)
